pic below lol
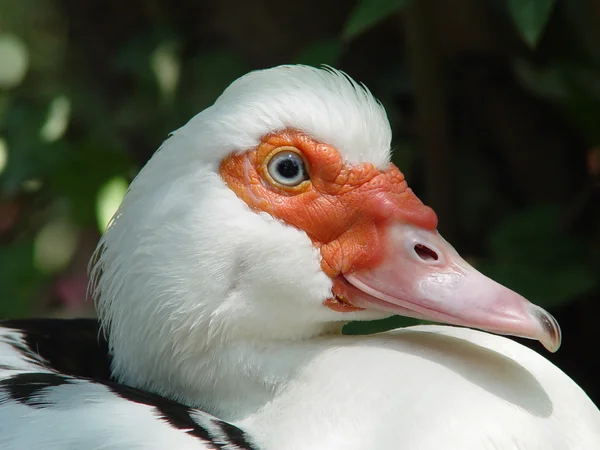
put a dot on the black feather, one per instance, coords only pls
(27, 388)
(235, 435)
(70, 346)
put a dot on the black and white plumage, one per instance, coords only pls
(56, 374)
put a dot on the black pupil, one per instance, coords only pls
(289, 167)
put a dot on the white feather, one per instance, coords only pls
(324, 103)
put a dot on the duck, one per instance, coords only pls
(251, 237)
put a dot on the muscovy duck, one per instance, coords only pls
(256, 231)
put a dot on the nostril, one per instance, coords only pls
(425, 253)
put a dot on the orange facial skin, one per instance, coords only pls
(342, 208)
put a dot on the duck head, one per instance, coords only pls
(275, 214)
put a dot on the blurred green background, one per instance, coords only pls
(495, 107)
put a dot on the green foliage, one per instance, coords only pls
(15, 58)
(368, 13)
(531, 17)
(55, 246)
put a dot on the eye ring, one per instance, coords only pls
(286, 167)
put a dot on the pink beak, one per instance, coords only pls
(422, 276)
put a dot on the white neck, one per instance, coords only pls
(236, 381)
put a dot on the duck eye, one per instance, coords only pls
(287, 168)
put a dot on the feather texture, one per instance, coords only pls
(55, 393)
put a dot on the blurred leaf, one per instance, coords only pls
(368, 13)
(319, 53)
(55, 246)
(3, 155)
(531, 17)
(15, 61)
(58, 119)
(379, 326)
(109, 199)
(531, 255)
(32, 185)
(166, 66)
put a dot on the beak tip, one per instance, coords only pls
(550, 334)
(551, 346)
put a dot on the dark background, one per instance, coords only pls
(495, 107)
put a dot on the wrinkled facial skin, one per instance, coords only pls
(378, 242)
(343, 208)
